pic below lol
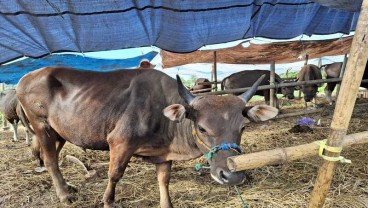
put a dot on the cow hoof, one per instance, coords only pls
(71, 188)
(67, 199)
(109, 205)
(40, 169)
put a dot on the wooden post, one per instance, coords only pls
(342, 70)
(272, 82)
(5, 122)
(344, 106)
(306, 59)
(214, 70)
(319, 62)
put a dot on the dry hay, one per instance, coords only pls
(287, 185)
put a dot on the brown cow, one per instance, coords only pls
(145, 64)
(198, 86)
(11, 110)
(307, 73)
(139, 112)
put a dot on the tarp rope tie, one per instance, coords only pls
(323, 146)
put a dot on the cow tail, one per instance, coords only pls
(24, 120)
(223, 84)
(36, 148)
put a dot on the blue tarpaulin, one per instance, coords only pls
(11, 73)
(37, 28)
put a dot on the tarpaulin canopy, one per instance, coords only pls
(280, 52)
(37, 28)
(11, 73)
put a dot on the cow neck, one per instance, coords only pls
(185, 142)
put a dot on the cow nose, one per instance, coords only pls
(230, 178)
(290, 97)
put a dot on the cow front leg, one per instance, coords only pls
(15, 131)
(163, 171)
(314, 102)
(328, 96)
(120, 155)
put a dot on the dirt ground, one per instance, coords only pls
(287, 185)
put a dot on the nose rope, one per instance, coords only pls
(214, 150)
(217, 148)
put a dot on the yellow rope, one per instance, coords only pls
(323, 146)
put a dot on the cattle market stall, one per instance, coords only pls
(44, 27)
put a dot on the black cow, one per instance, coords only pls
(11, 110)
(333, 71)
(247, 78)
(134, 112)
(307, 73)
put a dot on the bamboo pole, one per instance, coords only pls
(355, 67)
(342, 70)
(272, 83)
(304, 112)
(266, 87)
(284, 155)
(215, 69)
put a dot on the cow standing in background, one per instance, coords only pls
(145, 64)
(247, 78)
(333, 71)
(307, 73)
(139, 112)
(12, 112)
(198, 86)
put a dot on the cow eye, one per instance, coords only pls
(201, 129)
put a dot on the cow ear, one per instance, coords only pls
(261, 113)
(175, 112)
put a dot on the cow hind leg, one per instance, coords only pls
(47, 138)
(15, 131)
(120, 155)
(28, 141)
(163, 171)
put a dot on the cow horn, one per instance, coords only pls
(184, 92)
(247, 95)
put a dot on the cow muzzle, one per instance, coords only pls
(226, 177)
(290, 96)
(219, 171)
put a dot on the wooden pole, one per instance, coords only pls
(342, 70)
(284, 155)
(344, 106)
(272, 82)
(266, 87)
(214, 69)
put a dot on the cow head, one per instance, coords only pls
(309, 91)
(219, 120)
(287, 92)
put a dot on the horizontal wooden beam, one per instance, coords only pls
(266, 87)
(284, 155)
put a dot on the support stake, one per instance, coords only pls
(344, 106)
